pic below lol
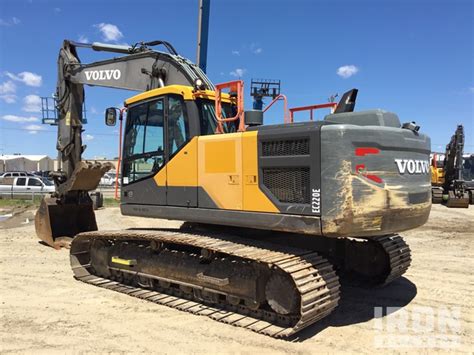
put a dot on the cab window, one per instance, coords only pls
(178, 131)
(21, 182)
(144, 140)
(208, 117)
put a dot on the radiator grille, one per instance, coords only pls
(288, 185)
(285, 147)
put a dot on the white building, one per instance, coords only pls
(25, 163)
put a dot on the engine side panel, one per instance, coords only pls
(375, 180)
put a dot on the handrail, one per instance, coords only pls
(286, 117)
(331, 105)
(119, 163)
(236, 86)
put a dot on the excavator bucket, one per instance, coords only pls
(86, 176)
(454, 201)
(56, 224)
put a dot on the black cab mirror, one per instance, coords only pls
(110, 116)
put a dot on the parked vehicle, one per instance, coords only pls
(9, 174)
(109, 179)
(42, 173)
(24, 186)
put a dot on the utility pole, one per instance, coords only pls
(203, 33)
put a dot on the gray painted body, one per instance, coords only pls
(258, 220)
(353, 204)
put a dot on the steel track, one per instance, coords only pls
(399, 256)
(313, 276)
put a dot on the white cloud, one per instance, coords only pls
(94, 110)
(34, 128)
(32, 103)
(57, 10)
(13, 118)
(110, 33)
(238, 73)
(27, 78)
(255, 48)
(347, 71)
(88, 137)
(9, 98)
(83, 39)
(8, 87)
(234, 52)
(12, 22)
(471, 89)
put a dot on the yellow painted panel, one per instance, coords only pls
(160, 178)
(220, 156)
(182, 168)
(220, 169)
(187, 92)
(253, 198)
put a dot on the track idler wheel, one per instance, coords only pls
(281, 294)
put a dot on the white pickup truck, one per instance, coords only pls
(24, 187)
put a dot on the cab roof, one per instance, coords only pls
(187, 92)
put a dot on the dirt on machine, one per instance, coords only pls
(275, 214)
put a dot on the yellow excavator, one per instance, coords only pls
(275, 214)
(437, 178)
(452, 176)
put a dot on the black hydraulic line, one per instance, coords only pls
(166, 44)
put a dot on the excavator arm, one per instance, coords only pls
(140, 68)
(454, 184)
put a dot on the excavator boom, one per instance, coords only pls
(69, 211)
(454, 186)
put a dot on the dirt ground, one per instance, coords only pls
(44, 310)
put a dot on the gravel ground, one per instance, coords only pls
(44, 310)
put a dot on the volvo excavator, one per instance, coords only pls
(274, 214)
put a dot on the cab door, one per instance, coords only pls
(181, 155)
(144, 154)
(20, 187)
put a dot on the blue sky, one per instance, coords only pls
(414, 58)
